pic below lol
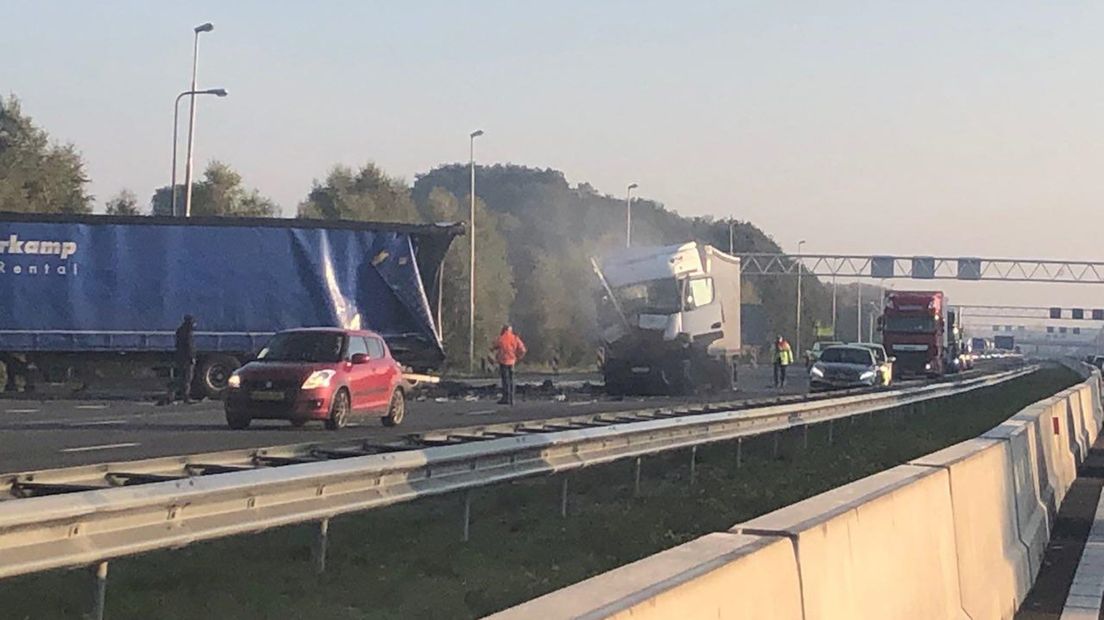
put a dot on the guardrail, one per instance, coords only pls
(957, 533)
(91, 527)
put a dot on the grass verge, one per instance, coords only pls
(407, 561)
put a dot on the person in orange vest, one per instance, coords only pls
(508, 350)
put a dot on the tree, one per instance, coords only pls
(366, 195)
(220, 193)
(494, 281)
(37, 176)
(124, 203)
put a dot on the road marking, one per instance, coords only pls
(1084, 598)
(21, 411)
(97, 423)
(91, 406)
(109, 446)
(581, 403)
(481, 412)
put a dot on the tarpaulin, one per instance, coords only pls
(95, 283)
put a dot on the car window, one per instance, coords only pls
(357, 345)
(375, 349)
(303, 347)
(847, 355)
(699, 292)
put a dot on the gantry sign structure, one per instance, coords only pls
(924, 268)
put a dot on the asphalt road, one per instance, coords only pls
(37, 435)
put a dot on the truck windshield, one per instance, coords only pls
(318, 347)
(910, 324)
(651, 297)
(844, 355)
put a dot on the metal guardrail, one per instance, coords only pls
(162, 469)
(90, 527)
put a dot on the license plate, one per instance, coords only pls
(267, 396)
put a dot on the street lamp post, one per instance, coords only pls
(471, 245)
(218, 92)
(207, 27)
(628, 214)
(731, 236)
(835, 336)
(799, 269)
(858, 314)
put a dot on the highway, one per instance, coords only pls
(61, 433)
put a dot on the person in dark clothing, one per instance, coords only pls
(186, 356)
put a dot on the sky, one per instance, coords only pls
(889, 127)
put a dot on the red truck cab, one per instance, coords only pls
(913, 326)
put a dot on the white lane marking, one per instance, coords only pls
(481, 412)
(1085, 594)
(581, 403)
(96, 423)
(109, 446)
(21, 411)
(91, 406)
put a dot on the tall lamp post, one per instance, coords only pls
(799, 269)
(628, 213)
(471, 245)
(218, 92)
(207, 27)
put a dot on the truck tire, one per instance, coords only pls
(213, 374)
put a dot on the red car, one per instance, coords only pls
(324, 374)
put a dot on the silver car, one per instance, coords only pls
(844, 367)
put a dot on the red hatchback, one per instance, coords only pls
(323, 374)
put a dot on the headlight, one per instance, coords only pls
(927, 366)
(866, 376)
(318, 379)
(817, 371)
(234, 382)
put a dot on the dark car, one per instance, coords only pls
(844, 367)
(322, 374)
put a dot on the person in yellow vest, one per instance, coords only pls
(783, 357)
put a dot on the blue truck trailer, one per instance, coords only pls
(74, 287)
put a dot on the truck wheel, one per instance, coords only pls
(396, 411)
(339, 411)
(214, 374)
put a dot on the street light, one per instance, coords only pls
(218, 92)
(731, 236)
(207, 27)
(628, 213)
(471, 266)
(799, 244)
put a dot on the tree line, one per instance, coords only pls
(535, 235)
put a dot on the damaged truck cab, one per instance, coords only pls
(669, 319)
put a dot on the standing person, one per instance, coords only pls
(186, 356)
(508, 349)
(783, 357)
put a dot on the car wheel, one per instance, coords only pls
(396, 410)
(237, 421)
(339, 411)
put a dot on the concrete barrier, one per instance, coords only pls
(1056, 463)
(722, 575)
(1033, 516)
(959, 533)
(994, 570)
(881, 547)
